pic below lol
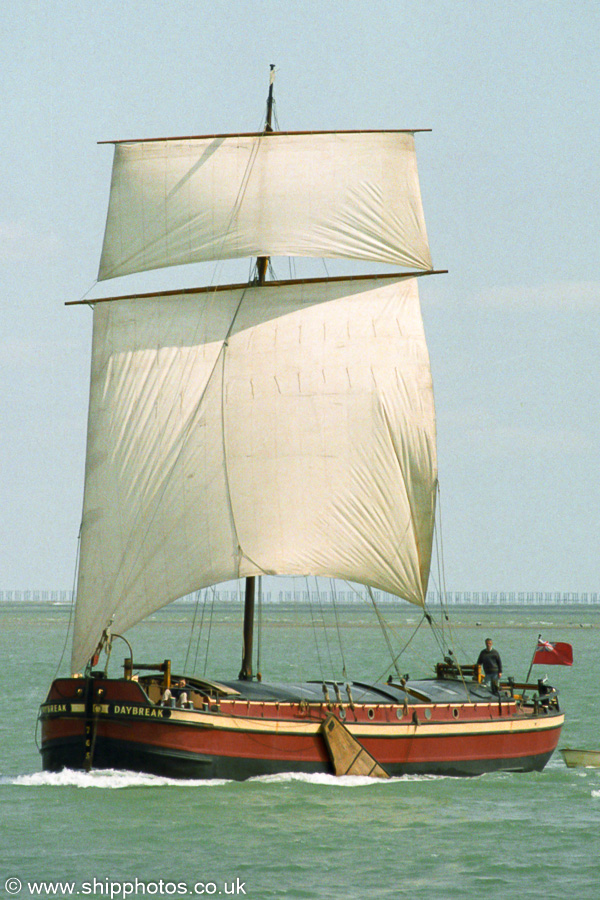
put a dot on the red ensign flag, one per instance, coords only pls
(556, 654)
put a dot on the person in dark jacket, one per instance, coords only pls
(490, 660)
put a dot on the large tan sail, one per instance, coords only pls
(285, 429)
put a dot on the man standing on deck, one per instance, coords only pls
(492, 665)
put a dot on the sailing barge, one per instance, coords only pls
(243, 728)
(274, 427)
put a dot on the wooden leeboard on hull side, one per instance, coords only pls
(348, 756)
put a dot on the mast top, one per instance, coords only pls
(262, 262)
(268, 123)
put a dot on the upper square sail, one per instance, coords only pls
(350, 195)
(287, 429)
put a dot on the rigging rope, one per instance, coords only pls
(337, 622)
(85, 293)
(204, 596)
(192, 630)
(214, 593)
(72, 604)
(400, 652)
(384, 627)
(451, 644)
(331, 666)
(312, 615)
(260, 624)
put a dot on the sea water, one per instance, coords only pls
(121, 834)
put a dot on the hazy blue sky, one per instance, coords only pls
(510, 186)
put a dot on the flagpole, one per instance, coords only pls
(532, 658)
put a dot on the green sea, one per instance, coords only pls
(120, 834)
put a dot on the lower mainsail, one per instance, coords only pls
(282, 429)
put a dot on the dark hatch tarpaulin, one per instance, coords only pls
(556, 654)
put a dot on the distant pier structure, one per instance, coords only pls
(346, 595)
(36, 596)
(512, 598)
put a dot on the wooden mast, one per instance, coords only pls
(262, 264)
(263, 261)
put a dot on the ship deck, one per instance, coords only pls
(413, 692)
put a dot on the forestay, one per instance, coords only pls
(284, 429)
(340, 195)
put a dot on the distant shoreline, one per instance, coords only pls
(466, 600)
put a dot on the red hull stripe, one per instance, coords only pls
(488, 740)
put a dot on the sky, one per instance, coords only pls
(510, 184)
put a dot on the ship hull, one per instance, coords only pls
(113, 724)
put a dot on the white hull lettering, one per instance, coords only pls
(49, 708)
(137, 711)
